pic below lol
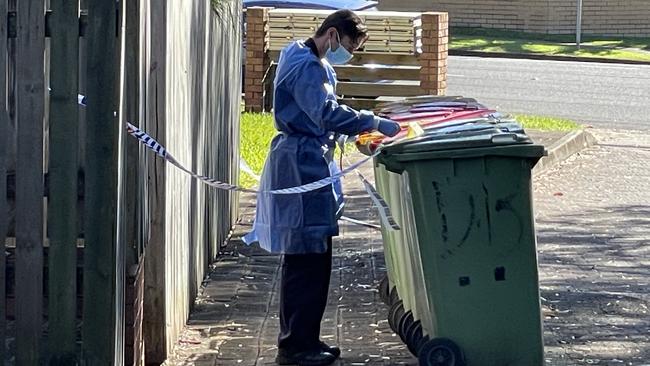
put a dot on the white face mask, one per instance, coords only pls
(339, 57)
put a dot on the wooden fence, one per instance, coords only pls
(197, 120)
(405, 55)
(105, 242)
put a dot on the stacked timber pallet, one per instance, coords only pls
(405, 55)
(389, 32)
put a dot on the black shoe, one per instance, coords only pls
(335, 351)
(306, 358)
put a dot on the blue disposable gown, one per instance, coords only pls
(307, 117)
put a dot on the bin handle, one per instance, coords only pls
(504, 138)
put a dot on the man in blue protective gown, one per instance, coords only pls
(301, 226)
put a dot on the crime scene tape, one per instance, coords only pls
(359, 222)
(382, 206)
(342, 218)
(247, 169)
(379, 202)
(162, 152)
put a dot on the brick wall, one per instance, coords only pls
(257, 43)
(433, 57)
(602, 17)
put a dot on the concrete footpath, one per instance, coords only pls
(592, 215)
(593, 228)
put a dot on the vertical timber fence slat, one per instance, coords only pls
(133, 261)
(101, 186)
(30, 92)
(155, 309)
(120, 214)
(146, 248)
(62, 211)
(4, 139)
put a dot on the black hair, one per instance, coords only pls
(347, 23)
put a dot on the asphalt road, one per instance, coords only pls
(597, 94)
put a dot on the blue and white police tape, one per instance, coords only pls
(244, 166)
(379, 202)
(359, 222)
(160, 150)
(247, 169)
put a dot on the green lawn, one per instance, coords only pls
(546, 123)
(257, 131)
(491, 40)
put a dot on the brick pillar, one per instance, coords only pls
(433, 55)
(257, 60)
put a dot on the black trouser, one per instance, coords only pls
(303, 296)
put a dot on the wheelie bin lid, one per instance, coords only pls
(465, 139)
(370, 142)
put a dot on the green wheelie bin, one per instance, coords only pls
(401, 255)
(470, 278)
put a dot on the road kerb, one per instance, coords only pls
(571, 143)
(533, 56)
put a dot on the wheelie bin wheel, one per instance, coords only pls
(395, 314)
(413, 337)
(384, 290)
(422, 342)
(441, 352)
(393, 296)
(403, 324)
